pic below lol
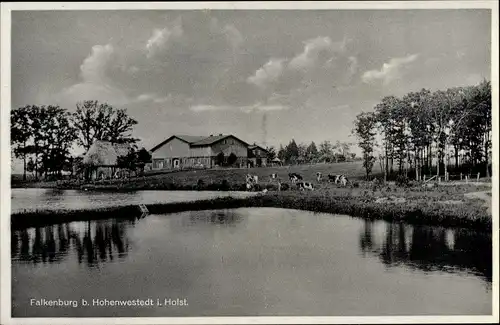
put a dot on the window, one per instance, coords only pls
(225, 142)
(232, 141)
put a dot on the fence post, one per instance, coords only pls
(478, 174)
(466, 179)
(460, 176)
(424, 178)
(439, 179)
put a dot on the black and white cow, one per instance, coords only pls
(336, 178)
(251, 181)
(273, 177)
(294, 177)
(305, 186)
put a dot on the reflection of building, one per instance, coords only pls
(185, 151)
(257, 156)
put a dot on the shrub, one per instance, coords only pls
(224, 186)
(402, 181)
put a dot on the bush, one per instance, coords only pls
(224, 186)
(402, 181)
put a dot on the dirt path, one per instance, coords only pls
(483, 195)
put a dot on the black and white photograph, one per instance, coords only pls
(230, 162)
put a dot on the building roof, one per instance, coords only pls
(105, 153)
(190, 138)
(253, 146)
(194, 140)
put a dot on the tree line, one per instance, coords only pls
(42, 136)
(429, 133)
(302, 153)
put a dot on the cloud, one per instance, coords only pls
(96, 84)
(315, 50)
(269, 72)
(204, 108)
(93, 68)
(246, 108)
(162, 39)
(316, 74)
(263, 107)
(390, 71)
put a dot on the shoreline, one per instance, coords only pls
(415, 210)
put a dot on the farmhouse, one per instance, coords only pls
(185, 151)
(257, 156)
(102, 157)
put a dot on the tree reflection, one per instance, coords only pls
(431, 248)
(92, 242)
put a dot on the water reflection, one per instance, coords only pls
(430, 248)
(217, 217)
(93, 242)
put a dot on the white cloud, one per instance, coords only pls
(95, 83)
(314, 49)
(269, 72)
(204, 108)
(390, 71)
(161, 38)
(93, 68)
(145, 97)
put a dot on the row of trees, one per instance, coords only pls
(302, 153)
(426, 132)
(42, 136)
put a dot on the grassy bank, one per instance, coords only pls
(413, 207)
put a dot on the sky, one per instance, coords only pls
(308, 72)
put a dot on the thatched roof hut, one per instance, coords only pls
(104, 153)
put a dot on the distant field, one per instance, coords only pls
(353, 170)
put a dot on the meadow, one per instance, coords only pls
(414, 202)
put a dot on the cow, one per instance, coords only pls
(343, 180)
(294, 177)
(335, 178)
(305, 186)
(252, 179)
(273, 177)
(319, 176)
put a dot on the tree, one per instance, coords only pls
(312, 152)
(143, 157)
(271, 152)
(20, 133)
(46, 133)
(281, 153)
(302, 150)
(95, 121)
(128, 161)
(325, 151)
(364, 131)
(291, 152)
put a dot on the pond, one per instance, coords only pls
(251, 262)
(55, 199)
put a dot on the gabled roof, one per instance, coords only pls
(194, 140)
(216, 138)
(253, 146)
(186, 138)
(191, 138)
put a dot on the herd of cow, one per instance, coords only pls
(297, 179)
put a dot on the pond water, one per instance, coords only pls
(54, 199)
(251, 262)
